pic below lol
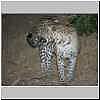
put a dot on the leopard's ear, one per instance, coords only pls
(28, 34)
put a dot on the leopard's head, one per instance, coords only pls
(34, 40)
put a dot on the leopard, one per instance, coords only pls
(52, 37)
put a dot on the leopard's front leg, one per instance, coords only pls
(46, 58)
(49, 56)
(43, 58)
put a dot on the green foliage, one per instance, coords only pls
(84, 24)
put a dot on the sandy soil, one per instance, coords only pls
(21, 63)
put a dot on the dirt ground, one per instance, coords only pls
(21, 63)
